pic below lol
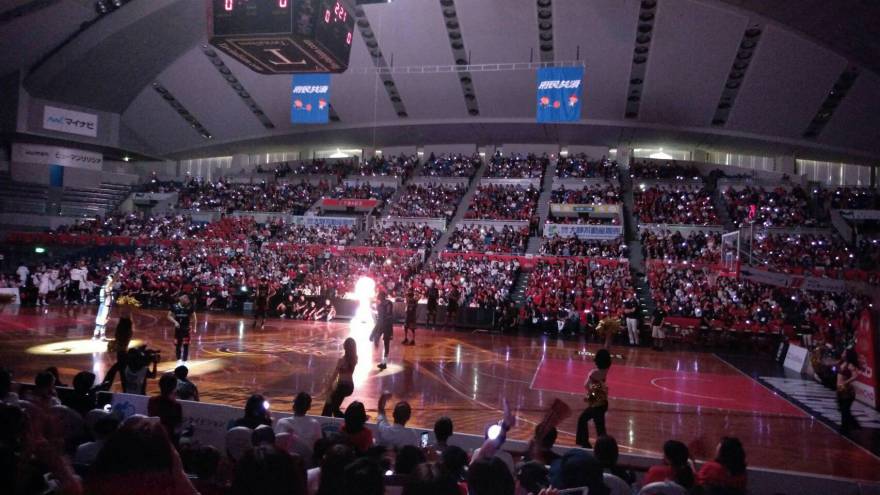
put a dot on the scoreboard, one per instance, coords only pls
(283, 36)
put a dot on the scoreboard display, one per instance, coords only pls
(283, 36)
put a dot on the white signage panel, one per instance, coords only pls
(55, 155)
(70, 121)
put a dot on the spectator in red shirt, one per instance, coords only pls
(676, 466)
(359, 436)
(728, 470)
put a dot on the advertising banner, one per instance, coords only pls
(310, 99)
(866, 347)
(343, 204)
(311, 221)
(559, 94)
(792, 281)
(584, 208)
(69, 121)
(583, 231)
(54, 155)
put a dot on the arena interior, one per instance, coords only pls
(439, 247)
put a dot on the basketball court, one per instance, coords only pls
(692, 396)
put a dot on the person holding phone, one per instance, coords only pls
(596, 399)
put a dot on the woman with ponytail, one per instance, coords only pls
(676, 466)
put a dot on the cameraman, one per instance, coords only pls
(137, 369)
(183, 317)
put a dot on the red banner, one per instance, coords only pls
(866, 347)
(364, 204)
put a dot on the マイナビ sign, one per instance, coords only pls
(70, 121)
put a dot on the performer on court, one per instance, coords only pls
(657, 332)
(597, 400)
(261, 303)
(433, 302)
(409, 325)
(341, 383)
(847, 373)
(631, 310)
(384, 327)
(183, 318)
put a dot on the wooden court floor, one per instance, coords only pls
(654, 396)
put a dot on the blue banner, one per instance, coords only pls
(310, 99)
(559, 94)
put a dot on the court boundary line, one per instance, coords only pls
(804, 414)
(785, 397)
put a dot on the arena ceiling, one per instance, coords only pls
(766, 77)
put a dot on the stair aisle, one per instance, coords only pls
(543, 210)
(634, 244)
(518, 293)
(358, 241)
(459, 213)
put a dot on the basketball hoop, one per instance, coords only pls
(711, 276)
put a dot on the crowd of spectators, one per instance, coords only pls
(580, 285)
(477, 238)
(476, 282)
(780, 207)
(337, 168)
(403, 235)
(593, 248)
(517, 166)
(293, 198)
(362, 190)
(689, 292)
(338, 275)
(169, 226)
(452, 165)
(582, 167)
(395, 166)
(663, 170)
(670, 245)
(57, 440)
(312, 235)
(787, 252)
(674, 204)
(849, 198)
(428, 201)
(601, 193)
(504, 202)
(584, 219)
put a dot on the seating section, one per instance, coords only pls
(601, 193)
(593, 248)
(504, 202)
(452, 165)
(393, 166)
(663, 170)
(674, 246)
(778, 207)
(580, 166)
(363, 190)
(517, 166)
(491, 239)
(580, 285)
(403, 235)
(428, 201)
(480, 283)
(222, 195)
(674, 204)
